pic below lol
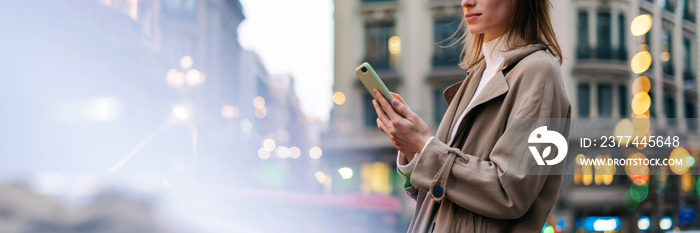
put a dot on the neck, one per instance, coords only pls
(493, 35)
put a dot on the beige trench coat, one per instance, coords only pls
(462, 185)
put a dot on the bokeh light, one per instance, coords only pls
(665, 56)
(320, 177)
(639, 173)
(642, 47)
(339, 98)
(679, 153)
(269, 144)
(644, 223)
(186, 62)
(641, 25)
(688, 183)
(246, 125)
(641, 103)
(628, 202)
(639, 193)
(282, 152)
(315, 152)
(261, 113)
(666, 223)
(641, 84)
(345, 172)
(228, 111)
(263, 153)
(394, 45)
(294, 152)
(624, 128)
(641, 62)
(193, 77)
(174, 78)
(587, 174)
(259, 102)
(548, 229)
(180, 113)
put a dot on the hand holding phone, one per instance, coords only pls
(371, 80)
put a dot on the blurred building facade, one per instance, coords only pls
(171, 69)
(405, 42)
(601, 85)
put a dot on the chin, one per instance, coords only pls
(474, 30)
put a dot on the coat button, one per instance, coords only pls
(438, 191)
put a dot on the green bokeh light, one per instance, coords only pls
(639, 193)
(629, 203)
(549, 229)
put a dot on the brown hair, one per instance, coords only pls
(528, 24)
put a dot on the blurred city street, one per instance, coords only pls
(247, 116)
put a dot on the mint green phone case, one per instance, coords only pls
(371, 80)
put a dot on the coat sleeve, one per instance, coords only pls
(411, 191)
(488, 187)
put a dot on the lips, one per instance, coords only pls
(471, 16)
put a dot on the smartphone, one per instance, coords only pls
(371, 80)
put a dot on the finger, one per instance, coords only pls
(380, 113)
(387, 106)
(381, 126)
(398, 97)
(402, 109)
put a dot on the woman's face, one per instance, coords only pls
(487, 16)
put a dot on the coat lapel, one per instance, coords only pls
(456, 106)
(455, 90)
(496, 87)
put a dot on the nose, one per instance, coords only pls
(468, 3)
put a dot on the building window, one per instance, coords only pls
(670, 109)
(604, 50)
(583, 50)
(688, 79)
(442, 55)
(439, 104)
(605, 100)
(179, 9)
(370, 115)
(667, 55)
(669, 5)
(584, 98)
(621, 42)
(623, 103)
(689, 10)
(691, 115)
(377, 44)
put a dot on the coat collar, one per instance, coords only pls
(497, 86)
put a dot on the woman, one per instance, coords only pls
(460, 177)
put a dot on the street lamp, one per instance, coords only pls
(183, 78)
